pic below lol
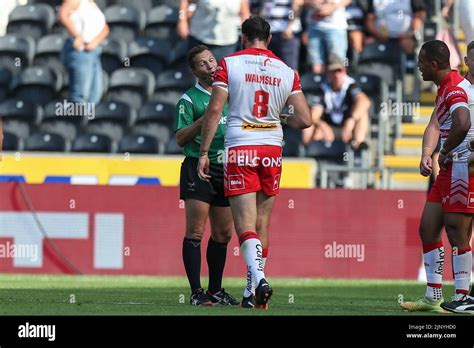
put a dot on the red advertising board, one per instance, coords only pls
(139, 230)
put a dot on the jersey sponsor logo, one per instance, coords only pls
(223, 120)
(243, 160)
(470, 201)
(263, 79)
(276, 181)
(236, 182)
(262, 64)
(450, 94)
(258, 126)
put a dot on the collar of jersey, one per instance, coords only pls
(201, 88)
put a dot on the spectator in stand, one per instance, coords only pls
(214, 23)
(327, 31)
(85, 23)
(339, 110)
(355, 14)
(466, 16)
(285, 23)
(398, 20)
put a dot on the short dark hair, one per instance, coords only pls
(438, 51)
(470, 46)
(256, 28)
(193, 52)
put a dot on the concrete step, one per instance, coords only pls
(393, 161)
(408, 146)
(413, 129)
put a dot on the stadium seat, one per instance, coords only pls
(161, 23)
(5, 81)
(92, 143)
(114, 52)
(150, 53)
(45, 142)
(383, 60)
(34, 20)
(171, 84)
(133, 86)
(125, 21)
(172, 147)
(178, 57)
(53, 3)
(292, 142)
(112, 119)
(19, 116)
(16, 53)
(156, 119)
(139, 143)
(376, 89)
(311, 82)
(323, 150)
(10, 142)
(48, 52)
(60, 118)
(37, 84)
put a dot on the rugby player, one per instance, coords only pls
(258, 85)
(203, 199)
(449, 200)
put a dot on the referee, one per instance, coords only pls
(203, 199)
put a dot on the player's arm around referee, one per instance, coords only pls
(203, 199)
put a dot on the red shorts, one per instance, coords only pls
(252, 168)
(454, 189)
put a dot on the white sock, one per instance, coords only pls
(462, 266)
(250, 287)
(433, 256)
(252, 251)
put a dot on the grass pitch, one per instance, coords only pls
(139, 295)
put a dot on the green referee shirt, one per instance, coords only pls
(191, 107)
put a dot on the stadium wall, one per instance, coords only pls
(114, 230)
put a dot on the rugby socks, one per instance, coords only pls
(216, 255)
(253, 254)
(433, 256)
(192, 262)
(462, 267)
(250, 288)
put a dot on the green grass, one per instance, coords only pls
(139, 295)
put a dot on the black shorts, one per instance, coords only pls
(192, 187)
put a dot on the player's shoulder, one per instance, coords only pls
(190, 95)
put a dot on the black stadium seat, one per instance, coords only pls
(126, 21)
(292, 142)
(10, 142)
(5, 81)
(16, 53)
(45, 142)
(92, 143)
(172, 147)
(150, 53)
(34, 20)
(311, 82)
(60, 118)
(48, 51)
(139, 143)
(376, 89)
(161, 23)
(156, 119)
(19, 116)
(133, 86)
(171, 84)
(37, 84)
(114, 51)
(112, 119)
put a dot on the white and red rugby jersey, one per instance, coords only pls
(258, 84)
(454, 91)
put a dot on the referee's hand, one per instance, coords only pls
(203, 168)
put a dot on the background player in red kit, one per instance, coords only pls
(258, 85)
(451, 198)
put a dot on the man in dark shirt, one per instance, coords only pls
(339, 109)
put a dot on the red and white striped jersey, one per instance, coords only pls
(258, 84)
(454, 91)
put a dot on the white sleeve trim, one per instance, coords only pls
(222, 86)
(298, 91)
(186, 97)
(457, 105)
